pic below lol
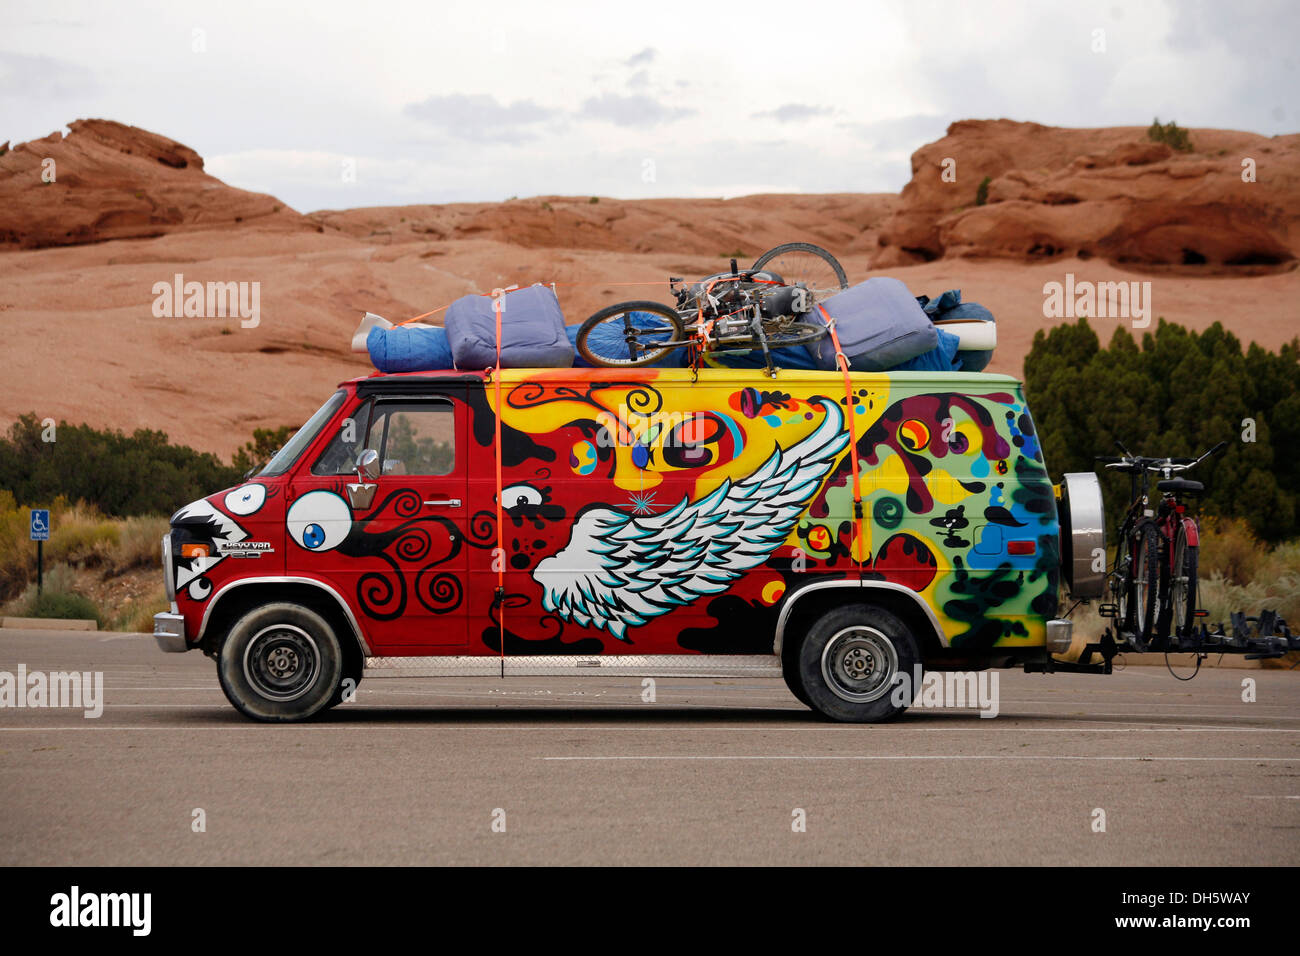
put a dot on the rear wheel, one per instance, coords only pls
(630, 335)
(280, 662)
(1143, 586)
(804, 262)
(852, 661)
(1182, 585)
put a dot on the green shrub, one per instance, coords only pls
(119, 474)
(1178, 393)
(982, 191)
(1171, 134)
(62, 604)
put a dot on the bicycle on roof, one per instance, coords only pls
(762, 307)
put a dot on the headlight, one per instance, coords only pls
(169, 571)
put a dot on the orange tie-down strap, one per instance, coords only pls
(842, 361)
(499, 558)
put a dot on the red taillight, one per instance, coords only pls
(1021, 547)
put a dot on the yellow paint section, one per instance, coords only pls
(772, 591)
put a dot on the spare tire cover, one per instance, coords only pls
(1083, 535)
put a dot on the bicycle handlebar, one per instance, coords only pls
(1136, 462)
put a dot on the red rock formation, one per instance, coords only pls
(112, 181)
(1109, 193)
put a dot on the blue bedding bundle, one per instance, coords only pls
(880, 325)
(532, 330)
(409, 348)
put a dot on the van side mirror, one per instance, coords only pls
(361, 493)
(365, 461)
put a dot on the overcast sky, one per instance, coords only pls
(438, 102)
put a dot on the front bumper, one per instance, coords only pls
(169, 632)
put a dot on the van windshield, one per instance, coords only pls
(286, 456)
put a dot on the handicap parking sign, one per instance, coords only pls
(40, 524)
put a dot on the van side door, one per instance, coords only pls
(394, 542)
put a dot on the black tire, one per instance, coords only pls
(790, 671)
(792, 334)
(849, 662)
(671, 330)
(351, 672)
(1143, 586)
(1183, 589)
(280, 662)
(797, 262)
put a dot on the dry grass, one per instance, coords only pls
(1230, 548)
(86, 551)
(80, 537)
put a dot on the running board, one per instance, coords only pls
(554, 665)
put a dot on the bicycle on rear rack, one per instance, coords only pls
(762, 307)
(1154, 576)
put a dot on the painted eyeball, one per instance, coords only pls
(200, 588)
(319, 521)
(246, 499)
(517, 496)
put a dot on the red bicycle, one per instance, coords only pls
(1154, 578)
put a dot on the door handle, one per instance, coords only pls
(444, 503)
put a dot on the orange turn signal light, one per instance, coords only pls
(195, 551)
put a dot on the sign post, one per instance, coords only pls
(40, 533)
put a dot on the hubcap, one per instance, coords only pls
(281, 662)
(859, 664)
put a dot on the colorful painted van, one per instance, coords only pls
(653, 523)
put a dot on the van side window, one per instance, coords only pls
(340, 455)
(414, 438)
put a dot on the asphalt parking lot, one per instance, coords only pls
(585, 772)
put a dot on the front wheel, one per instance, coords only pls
(630, 335)
(857, 664)
(280, 662)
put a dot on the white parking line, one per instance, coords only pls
(729, 729)
(918, 757)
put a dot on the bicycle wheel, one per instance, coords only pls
(782, 333)
(1143, 585)
(1182, 585)
(630, 335)
(803, 262)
